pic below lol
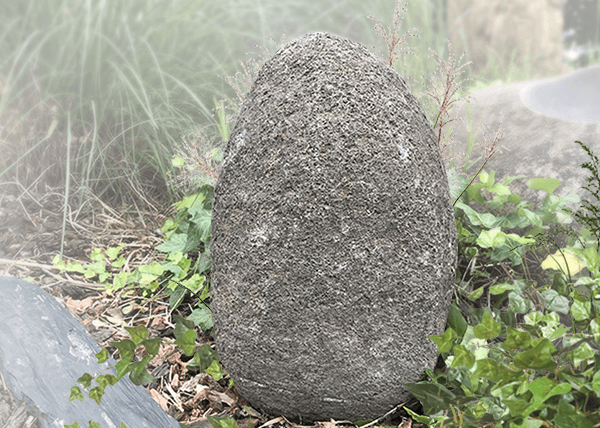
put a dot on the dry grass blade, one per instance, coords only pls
(444, 98)
(200, 161)
(490, 150)
(392, 38)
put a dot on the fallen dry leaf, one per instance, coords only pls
(271, 422)
(79, 306)
(406, 423)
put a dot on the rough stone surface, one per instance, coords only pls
(333, 238)
(43, 351)
(507, 32)
(540, 119)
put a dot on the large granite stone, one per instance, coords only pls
(541, 119)
(333, 237)
(43, 351)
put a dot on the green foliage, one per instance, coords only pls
(91, 424)
(589, 215)
(205, 358)
(222, 422)
(495, 231)
(529, 357)
(177, 275)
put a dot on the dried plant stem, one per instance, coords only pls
(489, 152)
(444, 98)
(392, 38)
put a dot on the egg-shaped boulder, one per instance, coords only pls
(333, 237)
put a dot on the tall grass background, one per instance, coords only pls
(96, 96)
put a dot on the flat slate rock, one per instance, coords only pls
(541, 120)
(43, 351)
(333, 238)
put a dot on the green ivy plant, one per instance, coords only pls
(529, 358)
(204, 358)
(186, 236)
(589, 214)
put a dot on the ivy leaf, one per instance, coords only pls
(187, 341)
(177, 242)
(583, 352)
(433, 396)
(444, 341)
(517, 339)
(542, 389)
(461, 374)
(113, 252)
(123, 367)
(538, 357)
(462, 357)
(149, 273)
(182, 325)
(418, 418)
(555, 302)
(457, 321)
(501, 288)
(490, 369)
(596, 382)
(96, 394)
(152, 345)
(139, 374)
(85, 380)
(488, 220)
(565, 262)
(126, 348)
(195, 283)
(488, 329)
(76, 394)
(105, 380)
(222, 422)
(475, 294)
(102, 356)
(581, 309)
(548, 185)
(137, 333)
(567, 416)
(202, 317)
(516, 406)
(201, 217)
(478, 347)
(517, 303)
(494, 238)
(205, 356)
(595, 329)
(176, 296)
(215, 370)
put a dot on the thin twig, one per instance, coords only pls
(392, 38)
(378, 420)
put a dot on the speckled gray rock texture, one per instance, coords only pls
(43, 351)
(333, 237)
